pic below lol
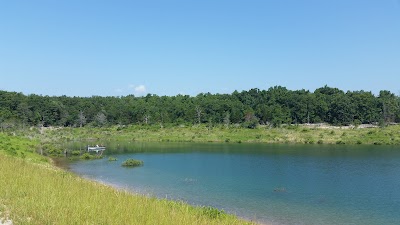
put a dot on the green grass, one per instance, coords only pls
(32, 191)
(88, 156)
(292, 134)
(22, 148)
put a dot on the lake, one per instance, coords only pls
(277, 184)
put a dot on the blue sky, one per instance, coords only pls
(113, 48)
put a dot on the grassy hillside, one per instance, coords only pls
(33, 191)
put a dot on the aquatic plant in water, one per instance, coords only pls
(132, 163)
(112, 159)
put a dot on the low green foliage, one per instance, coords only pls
(88, 156)
(112, 159)
(132, 163)
(75, 152)
(213, 213)
(21, 147)
(340, 142)
(233, 134)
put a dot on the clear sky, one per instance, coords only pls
(169, 47)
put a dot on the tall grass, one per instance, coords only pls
(199, 133)
(32, 193)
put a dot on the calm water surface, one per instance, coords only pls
(279, 184)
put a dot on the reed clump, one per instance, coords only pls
(132, 163)
(111, 159)
(88, 156)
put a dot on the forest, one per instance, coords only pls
(274, 107)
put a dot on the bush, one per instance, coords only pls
(132, 163)
(320, 142)
(76, 152)
(309, 141)
(51, 150)
(340, 142)
(356, 122)
(87, 156)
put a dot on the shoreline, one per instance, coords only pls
(44, 187)
(127, 189)
(134, 191)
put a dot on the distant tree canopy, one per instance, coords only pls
(274, 106)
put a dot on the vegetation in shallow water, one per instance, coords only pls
(88, 156)
(112, 159)
(132, 163)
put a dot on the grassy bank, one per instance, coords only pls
(292, 134)
(32, 191)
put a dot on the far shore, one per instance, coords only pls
(364, 134)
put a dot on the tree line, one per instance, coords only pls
(274, 107)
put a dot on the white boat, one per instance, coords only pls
(96, 148)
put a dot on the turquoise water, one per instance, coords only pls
(278, 184)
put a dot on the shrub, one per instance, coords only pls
(51, 150)
(356, 122)
(88, 156)
(340, 142)
(75, 152)
(132, 163)
(12, 151)
(309, 141)
(320, 142)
